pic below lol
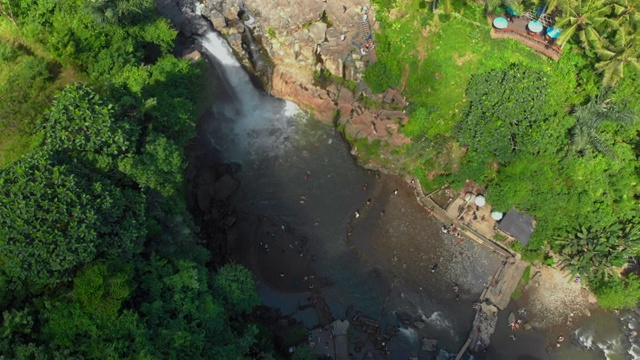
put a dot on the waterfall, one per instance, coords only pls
(251, 124)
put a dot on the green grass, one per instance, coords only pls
(524, 280)
(368, 150)
(440, 53)
(18, 75)
(454, 51)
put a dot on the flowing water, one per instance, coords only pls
(298, 173)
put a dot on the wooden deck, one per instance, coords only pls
(517, 30)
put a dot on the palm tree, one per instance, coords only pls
(594, 252)
(626, 11)
(587, 19)
(562, 5)
(621, 47)
(585, 134)
(616, 54)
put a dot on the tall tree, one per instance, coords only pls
(82, 125)
(593, 252)
(584, 18)
(586, 135)
(620, 50)
(56, 215)
(117, 11)
(186, 317)
(509, 112)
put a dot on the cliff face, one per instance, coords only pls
(302, 39)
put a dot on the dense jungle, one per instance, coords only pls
(100, 254)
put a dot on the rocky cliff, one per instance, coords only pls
(313, 53)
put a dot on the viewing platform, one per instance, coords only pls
(516, 29)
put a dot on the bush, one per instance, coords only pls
(618, 293)
(380, 76)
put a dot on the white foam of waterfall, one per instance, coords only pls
(252, 123)
(409, 333)
(584, 337)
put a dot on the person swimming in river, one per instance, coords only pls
(434, 268)
(455, 288)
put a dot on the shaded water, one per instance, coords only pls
(298, 172)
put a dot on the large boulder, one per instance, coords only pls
(294, 84)
(217, 19)
(225, 187)
(429, 344)
(231, 8)
(318, 31)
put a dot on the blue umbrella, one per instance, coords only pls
(511, 11)
(553, 32)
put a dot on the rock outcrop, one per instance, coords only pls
(307, 41)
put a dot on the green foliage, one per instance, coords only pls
(368, 149)
(56, 217)
(618, 293)
(92, 324)
(384, 6)
(80, 124)
(159, 166)
(171, 88)
(508, 115)
(25, 85)
(524, 280)
(549, 261)
(77, 208)
(593, 252)
(183, 317)
(381, 76)
(237, 287)
(587, 135)
(118, 11)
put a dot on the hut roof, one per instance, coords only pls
(518, 225)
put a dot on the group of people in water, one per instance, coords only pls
(455, 231)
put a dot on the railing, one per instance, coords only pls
(540, 46)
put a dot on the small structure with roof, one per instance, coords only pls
(518, 226)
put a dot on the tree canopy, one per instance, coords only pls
(99, 257)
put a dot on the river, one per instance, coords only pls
(320, 215)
